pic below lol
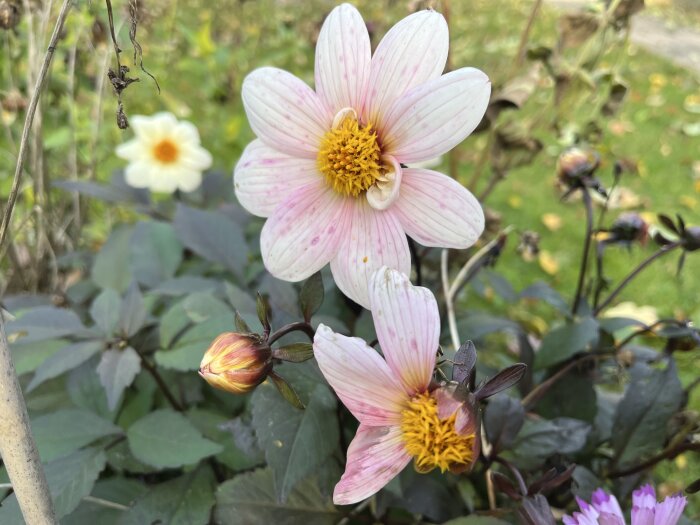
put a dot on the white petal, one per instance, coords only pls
(165, 179)
(138, 174)
(433, 118)
(189, 180)
(436, 210)
(407, 322)
(360, 377)
(304, 232)
(131, 150)
(153, 126)
(195, 157)
(375, 239)
(375, 456)
(264, 177)
(411, 53)
(186, 132)
(343, 56)
(284, 112)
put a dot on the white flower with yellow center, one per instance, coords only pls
(329, 167)
(165, 154)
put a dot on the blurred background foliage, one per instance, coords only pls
(568, 79)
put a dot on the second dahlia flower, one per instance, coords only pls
(402, 416)
(605, 510)
(329, 167)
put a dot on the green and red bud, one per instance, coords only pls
(236, 362)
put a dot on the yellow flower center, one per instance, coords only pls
(350, 157)
(431, 441)
(166, 151)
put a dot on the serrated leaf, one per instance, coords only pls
(70, 479)
(295, 441)
(166, 439)
(65, 431)
(311, 296)
(565, 341)
(45, 322)
(155, 252)
(251, 498)
(547, 294)
(117, 370)
(28, 356)
(111, 267)
(65, 359)
(114, 489)
(172, 323)
(294, 352)
(540, 439)
(190, 347)
(213, 236)
(640, 421)
(132, 314)
(201, 306)
(186, 500)
(104, 310)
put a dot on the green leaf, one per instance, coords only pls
(65, 359)
(186, 355)
(111, 267)
(155, 252)
(117, 490)
(65, 431)
(641, 419)
(45, 322)
(476, 520)
(117, 370)
(172, 323)
(201, 306)
(286, 391)
(566, 341)
(166, 439)
(132, 314)
(70, 479)
(186, 500)
(27, 357)
(251, 498)
(542, 438)
(226, 432)
(546, 293)
(295, 352)
(311, 296)
(295, 441)
(213, 236)
(105, 311)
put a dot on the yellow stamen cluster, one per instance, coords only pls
(166, 151)
(350, 157)
(431, 441)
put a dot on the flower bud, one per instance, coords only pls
(576, 164)
(691, 238)
(236, 362)
(629, 227)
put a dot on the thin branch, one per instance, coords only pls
(524, 37)
(540, 390)
(646, 262)
(160, 382)
(668, 453)
(301, 326)
(451, 317)
(586, 248)
(29, 119)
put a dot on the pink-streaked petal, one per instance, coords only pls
(606, 518)
(669, 511)
(436, 210)
(360, 377)
(644, 497)
(642, 516)
(343, 56)
(433, 118)
(466, 421)
(375, 456)
(586, 517)
(304, 232)
(285, 113)
(407, 322)
(264, 177)
(383, 193)
(375, 239)
(606, 503)
(411, 53)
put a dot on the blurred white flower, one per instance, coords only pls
(165, 155)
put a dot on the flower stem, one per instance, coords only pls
(300, 326)
(669, 453)
(586, 248)
(646, 262)
(160, 382)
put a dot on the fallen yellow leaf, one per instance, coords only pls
(548, 263)
(552, 221)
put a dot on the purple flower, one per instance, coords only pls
(604, 509)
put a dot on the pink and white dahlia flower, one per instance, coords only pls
(402, 415)
(605, 510)
(328, 168)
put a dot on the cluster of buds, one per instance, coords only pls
(576, 167)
